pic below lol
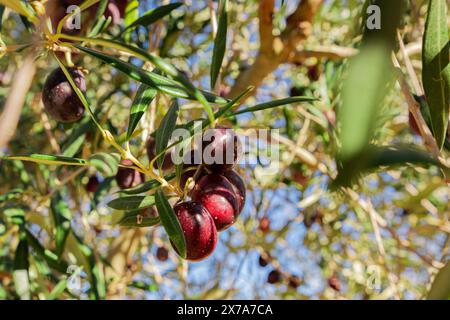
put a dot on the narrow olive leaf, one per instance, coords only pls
(274, 104)
(20, 8)
(373, 158)
(49, 159)
(359, 111)
(152, 79)
(436, 68)
(131, 14)
(61, 218)
(132, 203)
(73, 143)
(398, 155)
(170, 222)
(220, 43)
(440, 289)
(50, 257)
(144, 97)
(106, 163)
(153, 15)
(164, 132)
(229, 105)
(147, 186)
(99, 20)
(136, 219)
(58, 290)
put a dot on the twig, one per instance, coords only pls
(16, 99)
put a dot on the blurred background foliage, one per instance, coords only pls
(300, 236)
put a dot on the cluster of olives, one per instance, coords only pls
(276, 276)
(216, 199)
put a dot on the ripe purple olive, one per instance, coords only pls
(262, 261)
(198, 228)
(92, 184)
(60, 100)
(297, 92)
(274, 277)
(238, 187)
(150, 146)
(314, 73)
(334, 283)
(128, 177)
(216, 194)
(162, 254)
(221, 148)
(294, 282)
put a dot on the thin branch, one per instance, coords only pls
(328, 52)
(16, 99)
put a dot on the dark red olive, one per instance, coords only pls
(334, 283)
(221, 148)
(238, 187)
(216, 194)
(262, 261)
(92, 184)
(162, 254)
(199, 230)
(297, 92)
(60, 100)
(294, 282)
(313, 73)
(150, 146)
(128, 177)
(274, 277)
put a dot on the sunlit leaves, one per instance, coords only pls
(436, 68)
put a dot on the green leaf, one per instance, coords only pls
(144, 97)
(373, 158)
(170, 222)
(147, 186)
(132, 203)
(58, 289)
(391, 156)
(106, 163)
(220, 43)
(49, 159)
(131, 219)
(274, 104)
(99, 20)
(436, 68)
(153, 15)
(131, 14)
(15, 215)
(62, 217)
(440, 289)
(50, 257)
(359, 111)
(152, 79)
(165, 131)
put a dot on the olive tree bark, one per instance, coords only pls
(280, 49)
